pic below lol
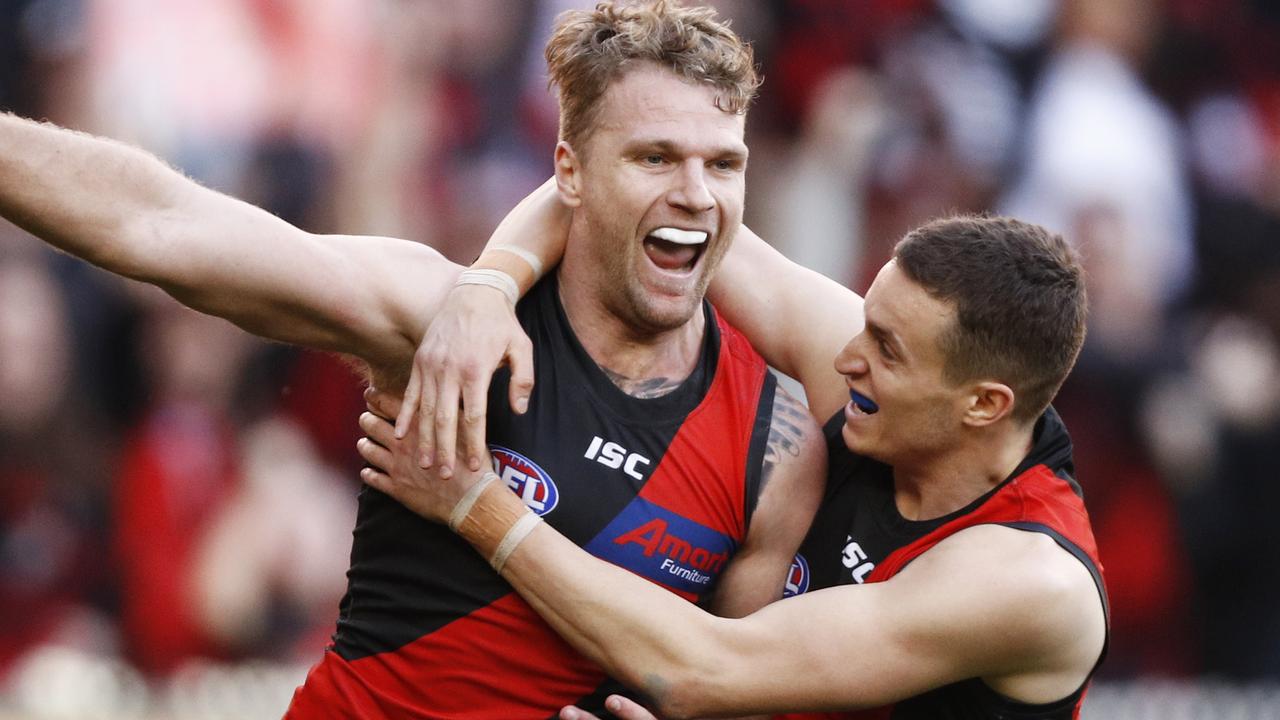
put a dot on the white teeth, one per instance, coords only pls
(680, 237)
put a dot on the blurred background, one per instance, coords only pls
(176, 498)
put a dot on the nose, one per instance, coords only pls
(850, 361)
(689, 190)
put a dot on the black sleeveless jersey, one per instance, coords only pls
(858, 536)
(663, 487)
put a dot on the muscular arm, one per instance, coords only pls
(127, 212)
(797, 318)
(791, 483)
(989, 602)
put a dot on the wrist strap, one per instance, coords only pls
(496, 279)
(468, 501)
(513, 538)
(524, 255)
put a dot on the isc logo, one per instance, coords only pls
(855, 558)
(797, 577)
(525, 479)
(613, 455)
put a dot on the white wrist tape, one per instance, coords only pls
(524, 255)
(468, 501)
(495, 279)
(513, 538)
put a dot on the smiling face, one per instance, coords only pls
(898, 364)
(659, 188)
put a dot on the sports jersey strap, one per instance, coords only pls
(759, 444)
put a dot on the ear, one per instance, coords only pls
(989, 403)
(568, 175)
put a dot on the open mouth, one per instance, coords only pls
(863, 404)
(675, 249)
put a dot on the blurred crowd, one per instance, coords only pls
(173, 491)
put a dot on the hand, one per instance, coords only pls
(621, 707)
(474, 333)
(396, 473)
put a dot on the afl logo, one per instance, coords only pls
(525, 479)
(797, 577)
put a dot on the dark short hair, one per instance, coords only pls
(1019, 296)
(591, 48)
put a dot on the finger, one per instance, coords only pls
(412, 393)
(426, 418)
(373, 453)
(520, 360)
(382, 403)
(573, 713)
(475, 406)
(446, 425)
(628, 709)
(376, 479)
(378, 429)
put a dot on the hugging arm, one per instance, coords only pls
(989, 602)
(475, 332)
(797, 318)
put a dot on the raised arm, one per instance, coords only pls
(128, 212)
(798, 319)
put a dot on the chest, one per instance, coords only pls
(661, 497)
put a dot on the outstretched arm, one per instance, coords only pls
(127, 212)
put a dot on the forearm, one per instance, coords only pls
(650, 639)
(80, 193)
(537, 228)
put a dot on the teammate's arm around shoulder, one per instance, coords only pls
(791, 482)
(128, 212)
(476, 331)
(798, 319)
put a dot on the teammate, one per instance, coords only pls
(656, 436)
(951, 570)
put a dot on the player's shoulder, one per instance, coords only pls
(1038, 589)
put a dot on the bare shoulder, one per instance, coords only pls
(1031, 591)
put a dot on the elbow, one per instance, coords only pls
(692, 689)
(682, 698)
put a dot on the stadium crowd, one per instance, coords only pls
(174, 491)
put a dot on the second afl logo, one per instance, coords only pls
(525, 479)
(797, 577)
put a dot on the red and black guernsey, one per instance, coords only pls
(664, 487)
(859, 536)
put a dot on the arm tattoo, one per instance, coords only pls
(786, 432)
(644, 388)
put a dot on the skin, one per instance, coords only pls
(127, 212)
(992, 602)
(661, 155)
